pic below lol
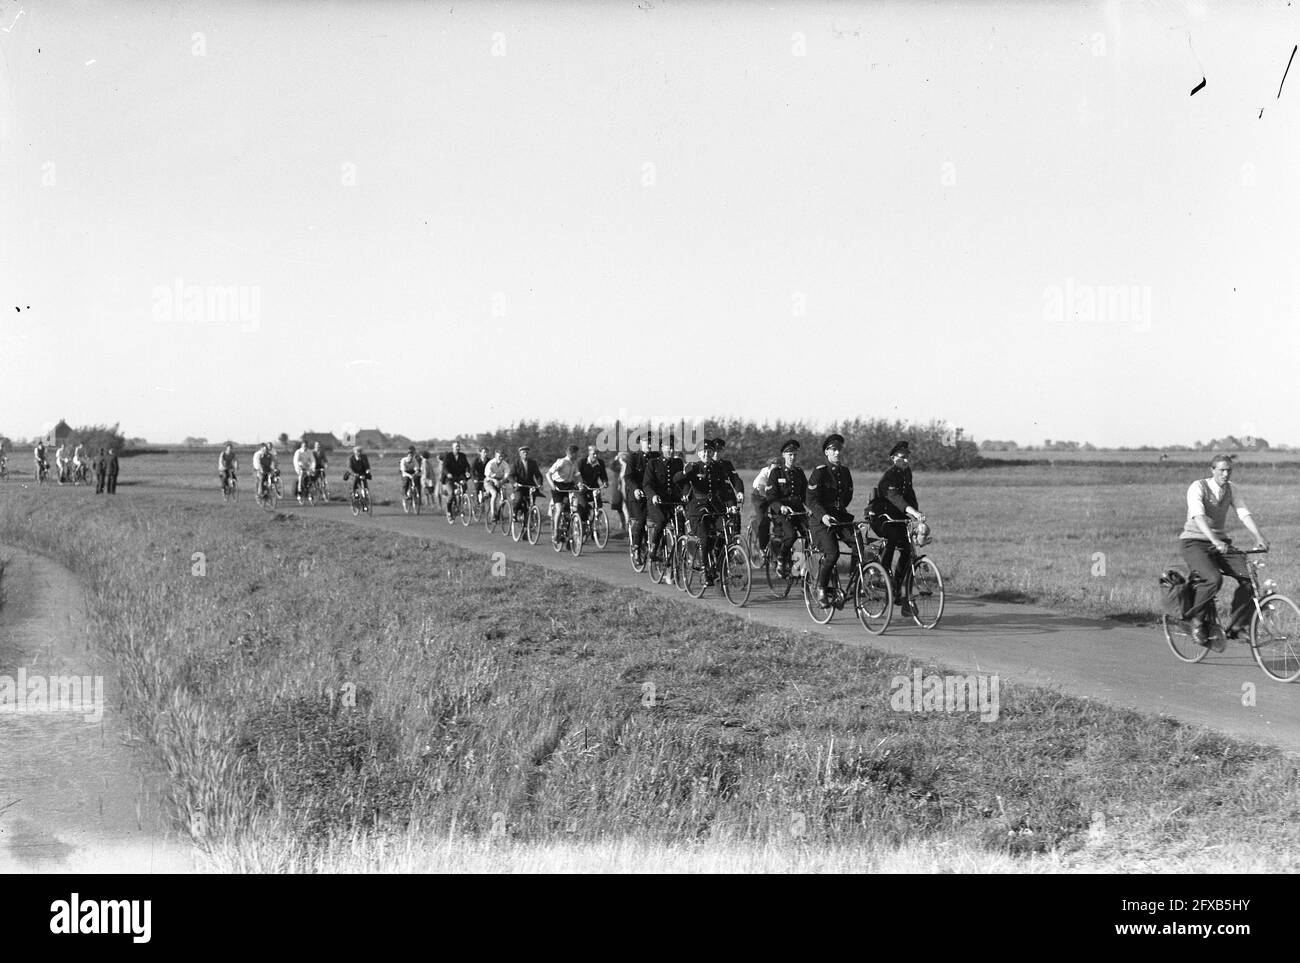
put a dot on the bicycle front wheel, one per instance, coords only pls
(925, 594)
(873, 598)
(517, 524)
(815, 611)
(600, 527)
(737, 574)
(356, 503)
(661, 560)
(1275, 638)
(466, 509)
(534, 530)
(577, 535)
(693, 565)
(1179, 637)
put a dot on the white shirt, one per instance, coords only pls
(564, 471)
(303, 460)
(760, 480)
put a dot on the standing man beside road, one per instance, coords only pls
(101, 472)
(112, 471)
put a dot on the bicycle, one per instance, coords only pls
(1274, 631)
(229, 488)
(921, 586)
(411, 495)
(568, 528)
(270, 492)
(868, 585)
(360, 497)
(498, 514)
(42, 473)
(530, 524)
(599, 520)
(318, 489)
(4, 470)
(81, 474)
(663, 560)
(727, 560)
(456, 503)
(777, 584)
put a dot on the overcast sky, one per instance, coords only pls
(236, 219)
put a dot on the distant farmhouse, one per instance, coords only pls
(58, 434)
(326, 440)
(371, 438)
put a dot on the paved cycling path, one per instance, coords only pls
(1121, 664)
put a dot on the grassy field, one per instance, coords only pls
(346, 699)
(1088, 540)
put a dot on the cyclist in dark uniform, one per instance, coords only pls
(787, 491)
(660, 491)
(634, 493)
(709, 490)
(895, 501)
(830, 490)
(359, 467)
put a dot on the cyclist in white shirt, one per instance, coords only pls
(409, 466)
(494, 476)
(263, 465)
(78, 459)
(304, 466)
(564, 479)
(227, 464)
(61, 460)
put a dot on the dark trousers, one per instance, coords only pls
(761, 520)
(895, 535)
(100, 481)
(787, 530)
(826, 540)
(521, 499)
(702, 516)
(1210, 567)
(112, 483)
(658, 518)
(636, 513)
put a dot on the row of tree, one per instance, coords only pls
(94, 437)
(934, 446)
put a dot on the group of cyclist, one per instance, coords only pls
(76, 466)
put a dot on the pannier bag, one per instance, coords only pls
(1175, 594)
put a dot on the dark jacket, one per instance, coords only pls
(111, 461)
(706, 482)
(634, 473)
(894, 494)
(526, 473)
(830, 490)
(786, 486)
(359, 465)
(455, 466)
(593, 476)
(658, 477)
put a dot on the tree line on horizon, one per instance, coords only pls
(934, 446)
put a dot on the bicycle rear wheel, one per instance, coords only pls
(1275, 638)
(756, 554)
(925, 593)
(1178, 635)
(873, 598)
(737, 574)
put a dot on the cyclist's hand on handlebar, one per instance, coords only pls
(827, 521)
(1221, 546)
(657, 500)
(787, 510)
(1261, 545)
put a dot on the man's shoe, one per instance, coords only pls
(823, 598)
(905, 607)
(1218, 641)
(1198, 633)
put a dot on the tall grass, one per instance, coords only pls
(317, 693)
